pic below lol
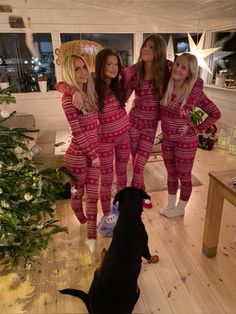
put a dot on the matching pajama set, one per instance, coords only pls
(114, 143)
(179, 150)
(144, 116)
(78, 157)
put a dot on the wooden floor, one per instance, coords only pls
(184, 281)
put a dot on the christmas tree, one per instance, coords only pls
(27, 196)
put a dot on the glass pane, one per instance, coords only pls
(180, 40)
(225, 59)
(19, 68)
(121, 43)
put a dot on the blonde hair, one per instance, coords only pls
(188, 83)
(88, 92)
(160, 70)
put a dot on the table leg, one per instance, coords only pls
(213, 219)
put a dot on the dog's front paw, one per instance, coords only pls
(154, 259)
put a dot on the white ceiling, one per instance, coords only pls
(128, 15)
(194, 14)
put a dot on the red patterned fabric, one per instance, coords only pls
(179, 149)
(143, 116)
(78, 157)
(114, 145)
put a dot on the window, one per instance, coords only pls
(224, 60)
(121, 43)
(19, 68)
(180, 40)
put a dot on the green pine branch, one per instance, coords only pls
(196, 116)
(27, 198)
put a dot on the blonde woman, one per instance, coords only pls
(81, 158)
(180, 136)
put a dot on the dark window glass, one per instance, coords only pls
(180, 40)
(225, 58)
(19, 68)
(121, 43)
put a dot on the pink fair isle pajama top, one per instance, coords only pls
(179, 150)
(82, 150)
(114, 142)
(144, 116)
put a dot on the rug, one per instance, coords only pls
(155, 176)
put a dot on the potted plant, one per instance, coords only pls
(220, 79)
(42, 81)
(4, 83)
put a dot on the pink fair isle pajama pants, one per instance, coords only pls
(88, 179)
(141, 145)
(120, 149)
(178, 158)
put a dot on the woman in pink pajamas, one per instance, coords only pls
(114, 139)
(180, 136)
(149, 79)
(81, 158)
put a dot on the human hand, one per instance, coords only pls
(77, 100)
(95, 162)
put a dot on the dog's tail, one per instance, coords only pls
(79, 294)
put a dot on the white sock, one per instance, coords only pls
(91, 243)
(179, 210)
(170, 204)
(181, 204)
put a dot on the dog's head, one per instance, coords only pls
(132, 198)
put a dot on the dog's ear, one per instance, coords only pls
(146, 196)
(117, 197)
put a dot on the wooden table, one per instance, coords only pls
(220, 188)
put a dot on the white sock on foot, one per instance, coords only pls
(179, 210)
(170, 205)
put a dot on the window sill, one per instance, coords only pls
(37, 95)
(220, 88)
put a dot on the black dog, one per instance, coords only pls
(114, 287)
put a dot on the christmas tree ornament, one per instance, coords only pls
(28, 197)
(35, 150)
(18, 150)
(5, 113)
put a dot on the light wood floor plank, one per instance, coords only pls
(184, 281)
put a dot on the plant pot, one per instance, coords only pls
(42, 86)
(220, 81)
(4, 85)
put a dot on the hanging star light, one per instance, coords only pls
(219, 58)
(201, 53)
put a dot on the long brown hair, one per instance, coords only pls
(160, 69)
(117, 84)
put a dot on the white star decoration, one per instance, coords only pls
(199, 52)
(219, 58)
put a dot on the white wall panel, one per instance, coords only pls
(225, 99)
